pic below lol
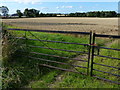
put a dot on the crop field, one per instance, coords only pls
(99, 25)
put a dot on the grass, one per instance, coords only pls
(72, 80)
(107, 61)
(19, 71)
(24, 72)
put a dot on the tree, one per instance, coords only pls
(42, 15)
(26, 12)
(19, 13)
(31, 12)
(90, 14)
(4, 10)
(72, 14)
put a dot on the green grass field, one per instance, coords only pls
(73, 80)
(23, 72)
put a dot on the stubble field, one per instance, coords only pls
(99, 25)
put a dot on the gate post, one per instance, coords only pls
(89, 52)
(1, 41)
(92, 56)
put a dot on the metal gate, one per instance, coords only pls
(105, 70)
(83, 62)
(72, 67)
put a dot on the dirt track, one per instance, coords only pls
(99, 25)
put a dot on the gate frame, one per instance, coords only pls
(62, 32)
(93, 51)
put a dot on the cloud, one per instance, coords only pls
(64, 7)
(44, 8)
(3, 4)
(27, 1)
(57, 7)
(68, 6)
(23, 1)
(81, 7)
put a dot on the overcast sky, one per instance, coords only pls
(61, 6)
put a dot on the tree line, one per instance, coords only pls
(36, 13)
(96, 14)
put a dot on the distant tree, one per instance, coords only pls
(19, 13)
(118, 15)
(50, 15)
(114, 14)
(26, 12)
(42, 15)
(31, 12)
(78, 14)
(34, 12)
(102, 14)
(98, 14)
(90, 14)
(54, 15)
(4, 10)
(109, 14)
(72, 14)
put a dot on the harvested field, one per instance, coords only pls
(99, 25)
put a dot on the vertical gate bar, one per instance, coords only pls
(25, 39)
(92, 56)
(89, 52)
(98, 53)
(26, 46)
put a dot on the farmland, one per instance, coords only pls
(20, 73)
(99, 25)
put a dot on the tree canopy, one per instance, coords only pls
(95, 14)
(20, 14)
(4, 10)
(31, 12)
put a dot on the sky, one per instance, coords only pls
(61, 6)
